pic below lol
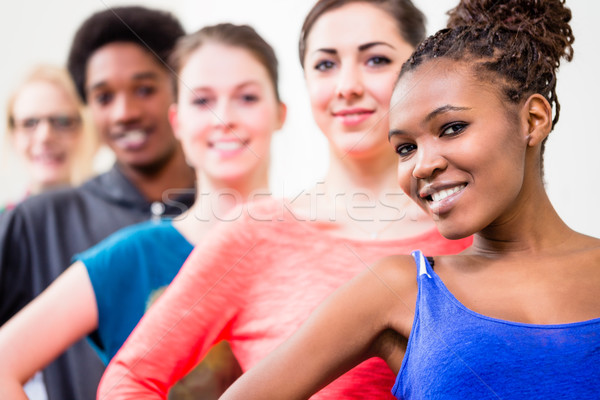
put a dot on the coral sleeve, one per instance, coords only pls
(189, 318)
(254, 281)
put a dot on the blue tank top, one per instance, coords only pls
(456, 353)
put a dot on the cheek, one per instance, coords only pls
(262, 121)
(405, 180)
(320, 92)
(194, 126)
(101, 119)
(382, 88)
(70, 144)
(21, 145)
(158, 107)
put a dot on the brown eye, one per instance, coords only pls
(324, 65)
(64, 122)
(405, 149)
(30, 123)
(453, 129)
(378, 61)
(103, 98)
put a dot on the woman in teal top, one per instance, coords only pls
(126, 271)
(228, 108)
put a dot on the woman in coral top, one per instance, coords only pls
(517, 315)
(260, 275)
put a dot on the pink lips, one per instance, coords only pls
(49, 159)
(442, 198)
(352, 116)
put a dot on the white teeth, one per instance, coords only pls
(442, 194)
(130, 139)
(228, 146)
(134, 137)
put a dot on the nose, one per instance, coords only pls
(125, 109)
(223, 116)
(43, 131)
(350, 82)
(428, 162)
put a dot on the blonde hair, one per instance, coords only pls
(88, 143)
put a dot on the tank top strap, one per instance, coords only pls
(423, 265)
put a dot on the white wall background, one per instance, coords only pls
(34, 31)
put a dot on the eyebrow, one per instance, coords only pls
(362, 47)
(443, 110)
(136, 77)
(438, 111)
(237, 87)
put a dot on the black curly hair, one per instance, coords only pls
(522, 41)
(155, 30)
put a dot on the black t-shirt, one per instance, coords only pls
(38, 239)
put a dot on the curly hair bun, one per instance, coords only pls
(545, 21)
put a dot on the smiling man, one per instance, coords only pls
(117, 60)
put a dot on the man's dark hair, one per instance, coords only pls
(154, 30)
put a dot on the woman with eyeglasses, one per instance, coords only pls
(48, 131)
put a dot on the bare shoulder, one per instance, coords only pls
(586, 249)
(387, 286)
(398, 274)
(399, 271)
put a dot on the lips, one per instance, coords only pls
(228, 147)
(49, 158)
(131, 139)
(353, 116)
(441, 199)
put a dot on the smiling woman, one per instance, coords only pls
(516, 315)
(49, 129)
(462, 201)
(258, 277)
(226, 69)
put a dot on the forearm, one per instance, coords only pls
(45, 328)
(173, 336)
(345, 330)
(10, 388)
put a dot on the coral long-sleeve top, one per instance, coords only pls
(253, 282)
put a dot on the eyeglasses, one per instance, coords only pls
(60, 123)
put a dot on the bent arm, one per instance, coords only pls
(61, 315)
(183, 324)
(342, 332)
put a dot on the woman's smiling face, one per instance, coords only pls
(227, 112)
(47, 148)
(353, 57)
(461, 148)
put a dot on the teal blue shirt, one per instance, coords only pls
(127, 270)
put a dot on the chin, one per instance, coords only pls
(46, 179)
(452, 231)
(230, 177)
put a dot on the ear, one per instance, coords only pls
(282, 115)
(538, 113)
(174, 119)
